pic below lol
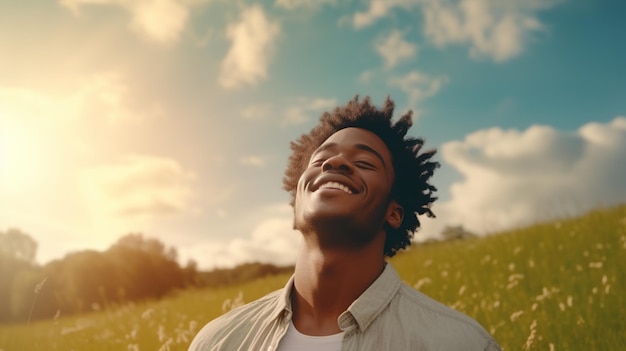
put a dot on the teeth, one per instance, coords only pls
(335, 185)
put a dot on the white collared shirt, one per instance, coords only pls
(389, 315)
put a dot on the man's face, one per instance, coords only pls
(346, 184)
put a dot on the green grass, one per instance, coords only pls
(555, 286)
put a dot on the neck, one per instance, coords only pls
(327, 281)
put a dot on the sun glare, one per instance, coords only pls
(20, 163)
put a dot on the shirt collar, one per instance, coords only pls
(363, 310)
(282, 306)
(375, 299)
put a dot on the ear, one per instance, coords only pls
(395, 214)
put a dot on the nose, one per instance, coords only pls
(337, 163)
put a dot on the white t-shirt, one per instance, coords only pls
(296, 341)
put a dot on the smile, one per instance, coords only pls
(335, 185)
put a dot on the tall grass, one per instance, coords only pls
(554, 286)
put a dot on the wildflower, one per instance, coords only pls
(516, 315)
(134, 332)
(166, 345)
(492, 329)
(595, 264)
(182, 336)
(229, 304)
(147, 314)
(533, 335)
(546, 293)
(512, 284)
(161, 333)
(226, 305)
(39, 286)
(458, 305)
(422, 282)
(238, 300)
(514, 280)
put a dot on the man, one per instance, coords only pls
(358, 184)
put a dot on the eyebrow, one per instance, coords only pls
(358, 146)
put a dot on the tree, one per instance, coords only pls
(149, 265)
(456, 232)
(17, 259)
(152, 246)
(18, 245)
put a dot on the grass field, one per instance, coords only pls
(554, 286)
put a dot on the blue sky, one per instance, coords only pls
(173, 117)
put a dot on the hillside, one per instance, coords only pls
(552, 286)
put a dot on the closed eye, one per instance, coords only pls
(318, 162)
(364, 164)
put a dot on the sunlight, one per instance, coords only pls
(20, 153)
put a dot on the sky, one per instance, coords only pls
(173, 118)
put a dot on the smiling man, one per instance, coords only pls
(358, 184)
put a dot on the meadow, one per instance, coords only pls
(552, 286)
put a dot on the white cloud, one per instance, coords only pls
(493, 28)
(160, 20)
(514, 178)
(496, 29)
(103, 96)
(138, 186)
(377, 10)
(300, 113)
(252, 39)
(394, 49)
(253, 160)
(108, 96)
(297, 4)
(418, 86)
(272, 240)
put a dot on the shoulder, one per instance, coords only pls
(236, 323)
(436, 310)
(440, 322)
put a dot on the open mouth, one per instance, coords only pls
(336, 185)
